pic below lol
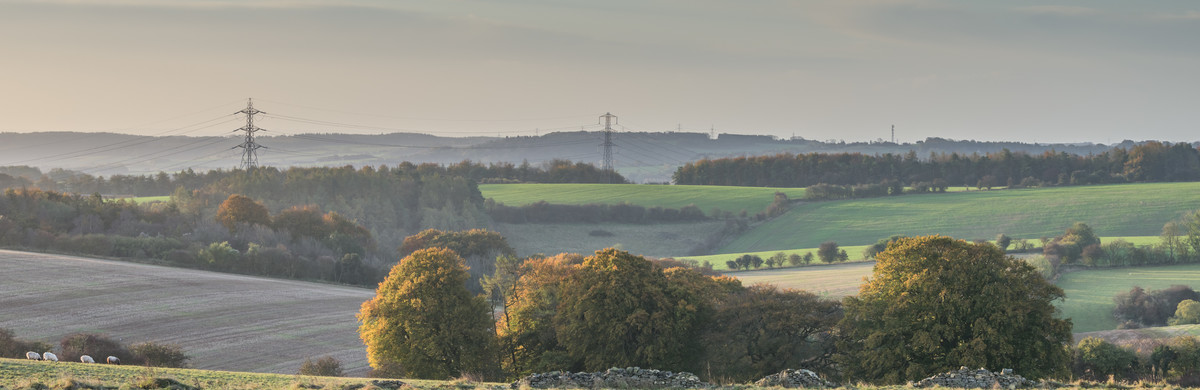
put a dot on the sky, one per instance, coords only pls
(1048, 71)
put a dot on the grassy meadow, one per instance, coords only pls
(831, 281)
(718, 261)
(734, 199)
(658, 240)
(1089, 300)
(24, 373)
(1111, 210)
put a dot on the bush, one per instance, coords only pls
(1188, 312)
(1151, 308)
(73, 346)
(11, 347)
(1097, 359)
(325, 366)
(159, 355)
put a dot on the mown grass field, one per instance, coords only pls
(734, 199)
(658, 240)
(1111, 210)
(22, 373)
(1089, 301)
(831, 281)
(223, 321)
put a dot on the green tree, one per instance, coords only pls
(1188, 312)
(828, 251)
(935, 303)
(1003, 241)
(240, 209)
(617, 311)
(761, 330)
(423, 323)
(1097, 359)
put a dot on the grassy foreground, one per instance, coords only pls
(1111, 210)
(734, 199)
(24, 373)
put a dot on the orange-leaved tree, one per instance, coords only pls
(241, 209)
(423, 323)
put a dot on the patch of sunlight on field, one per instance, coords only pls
(831, 281)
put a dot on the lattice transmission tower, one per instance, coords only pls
(607, 164)
(249, 147)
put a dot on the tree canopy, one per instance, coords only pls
(238, 208)
(935, 303)
(423, 323)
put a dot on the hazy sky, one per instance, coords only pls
(1050, 71)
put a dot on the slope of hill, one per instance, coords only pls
(732, 199)
(1111, 210)
(223, 321)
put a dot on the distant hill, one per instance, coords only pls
(640, 156)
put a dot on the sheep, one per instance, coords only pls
(33, 355)
(49, 356)
(86, 359)
(113, 360)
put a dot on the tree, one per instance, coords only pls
(808, 258)
(1003, 241)
(479, 248)
(616, 310)
(527, 332)
(935, 303)
(795, 259)
(240, 209)
(828, 251)
(423, 323)
(761, 330)
(1188, 312)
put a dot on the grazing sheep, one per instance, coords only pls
(33, 355)
(50, 356)
(86, 359)
(113, 360)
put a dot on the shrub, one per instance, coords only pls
(75, 345)
(325, 366)
(160, 355)
(11, 347)
(1151, 308)
(1188, 312)
(1097, 359)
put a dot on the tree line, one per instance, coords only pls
(932, 304)
(1147, 162)
(164, 183)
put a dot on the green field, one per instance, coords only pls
(658, 240)
(1089, 301)
(24, 373)
(1112, 210)
(734, 199)
(150, 199)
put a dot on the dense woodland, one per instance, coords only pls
(1148, 162)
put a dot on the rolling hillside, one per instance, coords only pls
(1111, 210)
(734, 199)
(223, 321)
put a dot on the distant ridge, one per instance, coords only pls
(640, 156)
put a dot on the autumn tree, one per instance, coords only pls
(528, 338)
(423, 323)
(616, 310)
(1188, 312)
(479, 248)
(240, 209)
(935, 303)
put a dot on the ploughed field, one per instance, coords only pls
(222, 321)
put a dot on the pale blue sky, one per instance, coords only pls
(1061, 71)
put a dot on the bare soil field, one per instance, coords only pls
(223, 321)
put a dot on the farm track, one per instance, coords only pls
(223, 321)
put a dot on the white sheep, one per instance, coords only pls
(86, 359)
(33, 355)
(113, 360)
(49, 356)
